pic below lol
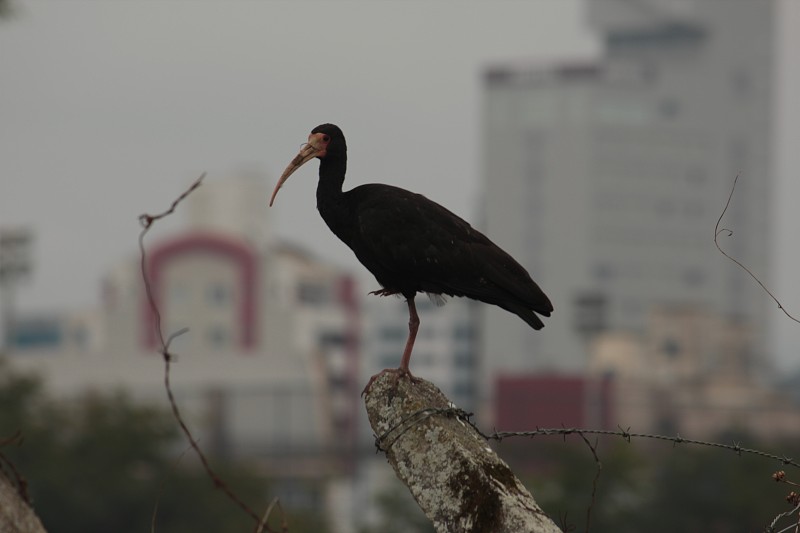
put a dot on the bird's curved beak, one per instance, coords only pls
(315, 147)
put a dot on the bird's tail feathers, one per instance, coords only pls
(526, 314)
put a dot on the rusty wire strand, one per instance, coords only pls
(147, 222)
(626, 434)
(729, 233)
(407, 423)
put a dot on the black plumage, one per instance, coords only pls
(412, 244)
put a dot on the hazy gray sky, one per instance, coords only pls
(110, 108)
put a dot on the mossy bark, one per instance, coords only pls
(456, 478)
(16, 516)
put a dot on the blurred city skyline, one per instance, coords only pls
(112, 109)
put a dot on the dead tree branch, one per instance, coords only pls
(459, 482)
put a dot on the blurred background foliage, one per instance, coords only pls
(399, 513)
(653, 486)
(104, 463)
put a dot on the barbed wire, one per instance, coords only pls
(625, 434)
(400, 428)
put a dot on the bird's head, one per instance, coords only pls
(326, 141)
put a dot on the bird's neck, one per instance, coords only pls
(331, 201)
(331, 178)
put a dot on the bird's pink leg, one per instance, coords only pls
(402, 370)
(413, 326)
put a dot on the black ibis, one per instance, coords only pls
(412, 244)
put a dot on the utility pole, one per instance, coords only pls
(15, 264)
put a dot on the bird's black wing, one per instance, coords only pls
(411, 244)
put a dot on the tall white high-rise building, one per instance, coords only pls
(605, 178)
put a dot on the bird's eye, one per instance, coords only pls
(326, 138)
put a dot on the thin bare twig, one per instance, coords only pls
(729, 233)
(565, 526)
(773, 525)
(284, 525)
(599, 469)
(792, 498)
(161, 490)
(147, 222)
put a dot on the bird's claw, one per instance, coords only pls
(384, 292)
(397, 374)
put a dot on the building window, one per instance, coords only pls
(312, 293)
(464, 389)
(741, 82)
(426, 333)
(603, 272)
(668, 108)
(35, 333)
(80, 336)
(671, 347)
(427, 304)
(392, 333)
(218, 294)
(389, 360)
(464, 359)
(423, 359)
(694, 277)
(590, 312)
(332, 339)
(218, 336)
(464, 331)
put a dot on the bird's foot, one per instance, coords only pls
(397, 373)
(384, 292)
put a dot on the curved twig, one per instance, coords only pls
(147, 222)
(729, 233)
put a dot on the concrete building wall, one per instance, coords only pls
(690, 372)
(605, 178)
